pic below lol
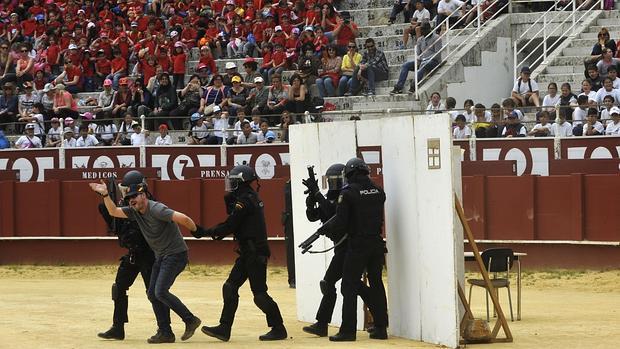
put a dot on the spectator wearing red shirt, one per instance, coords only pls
(206, 58)
(36, 8)
(53, 55)
(28, 27)
(148, 67)
(40, 26)
(179, 59)
(13, 29)
(71, 77)
(163, 59)
(102, 43)
(279, 61)
(285, 23)
(345, 32)
(88, 71)
(258, 30)
(250, 10)
(218, 6)
(278, 37)
(118, 68)
(293, 45)
(103, 67)
(328, 18)
(320, 41)
(135, 35)
(52, 20)
(211, 39)
(143, 21)
(281, 8)
(267, 61)
(188, 35)
(298, 16)
(123, 43)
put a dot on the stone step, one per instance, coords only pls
(567, 60)
(583, 43)
(577, 51)
(611, 22)
(563, 69)
(611, 28)
(371, 16)
(364, 4)
(369, 102)
(594, 35)
(562, 77)
(382, 30)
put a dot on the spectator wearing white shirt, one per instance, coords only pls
(35, 116)
(29, 140)
(513, 127)
(85, 139)
(525, 90)
(580, 114)
(237, 127)
(220, 124)
(508, 107)
(562, 128)
(451, 9)
(138, 137)
(106, 131)
(69, 141)
(54, 134)
(613, 127)
(123, 137)
(543, 128)
(420, 15)
(592, 127)
(265, 135)
(612, 74)
(163, 138)
(461, 131)
(586, 90)
(246, 136)
(552, 98)
(607, 90)
(199, 133)
(434, 104)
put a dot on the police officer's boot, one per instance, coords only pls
(117, 331)
(190, 328)
(378, 333)
(277, 333)
(343, 337)
(317, 328)
(161, 337)
(221, 332)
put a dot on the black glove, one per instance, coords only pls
(310, 202)
(313, 186)
(200, 232)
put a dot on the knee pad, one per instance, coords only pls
(326, 287)
(229, 291)
(262, 300)
(117, 293)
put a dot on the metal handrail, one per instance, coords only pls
(557, 13)
(543, 43)
(446, 45)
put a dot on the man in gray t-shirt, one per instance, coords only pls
(160, 227)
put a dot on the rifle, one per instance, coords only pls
(310, 181)
(112, 193)
(307, 244)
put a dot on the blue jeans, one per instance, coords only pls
(165, 271)
(372, 74)
(344, 84)
(423, 69)
(326, 87)
(115, 78)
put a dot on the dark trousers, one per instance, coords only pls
(252, 266)
(398, 8)
(128, 270)
(364, 253)
(328, 287)
(165, 271)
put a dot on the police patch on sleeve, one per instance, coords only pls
(340, 198)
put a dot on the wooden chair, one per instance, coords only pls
(496, 260)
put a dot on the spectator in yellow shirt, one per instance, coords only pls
(349, 62)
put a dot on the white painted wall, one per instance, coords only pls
(489, 82)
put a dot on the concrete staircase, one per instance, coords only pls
(567, 64)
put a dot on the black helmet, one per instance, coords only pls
(356, 165)
(335, 177)
(133, 183)
(238, 175)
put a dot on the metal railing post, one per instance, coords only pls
(415, 73)
(447, 35)
(478, 19)
(574, 17)
(545, 39)
(514, 59)
(510, 6)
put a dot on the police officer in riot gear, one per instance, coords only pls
(360, 213)
(323, 208)
(246, 221)
(138, 260)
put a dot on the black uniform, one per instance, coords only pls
(360, 213)
(246, 220)
(138, 261)
(325, 210)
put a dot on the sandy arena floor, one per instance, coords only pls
(65, 307)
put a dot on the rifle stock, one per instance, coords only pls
(306, 245)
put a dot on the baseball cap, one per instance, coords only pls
(107, 82)
(90, 25)
(217, 109)
(201, 66)
(174, 33)
(54, 119)
(68, 130)
(249, 60)
(258, 79)
(614, 110)
(73, 47)
(235, 78)
(295, 31)
(134, 124)
(178, 44)
(29, 126)
(103, 34)
(270, 136)
(88, 115)
(513, 115)
(278, 28)
(231, 65)
(163, 127)
(525, 70)
(309, 28)
(230, 2)
(134, 24)
(123, 81)
(68, 121)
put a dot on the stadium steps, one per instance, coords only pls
(568, 64)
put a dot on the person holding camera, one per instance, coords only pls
(428, 58)
(345, 32)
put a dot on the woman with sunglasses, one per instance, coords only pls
(23, 66)
(330, 76)
(350, 61)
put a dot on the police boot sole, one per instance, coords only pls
(315, 331)
(161, 340)
(342, 338)
(109, 336)
(210, 333)
(273, 337)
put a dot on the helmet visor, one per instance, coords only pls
(232, 182)
(123, 190)
(334, 182)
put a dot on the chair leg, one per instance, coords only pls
(469, 299)
(510, 302)
(487, 296)
(496, 297)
